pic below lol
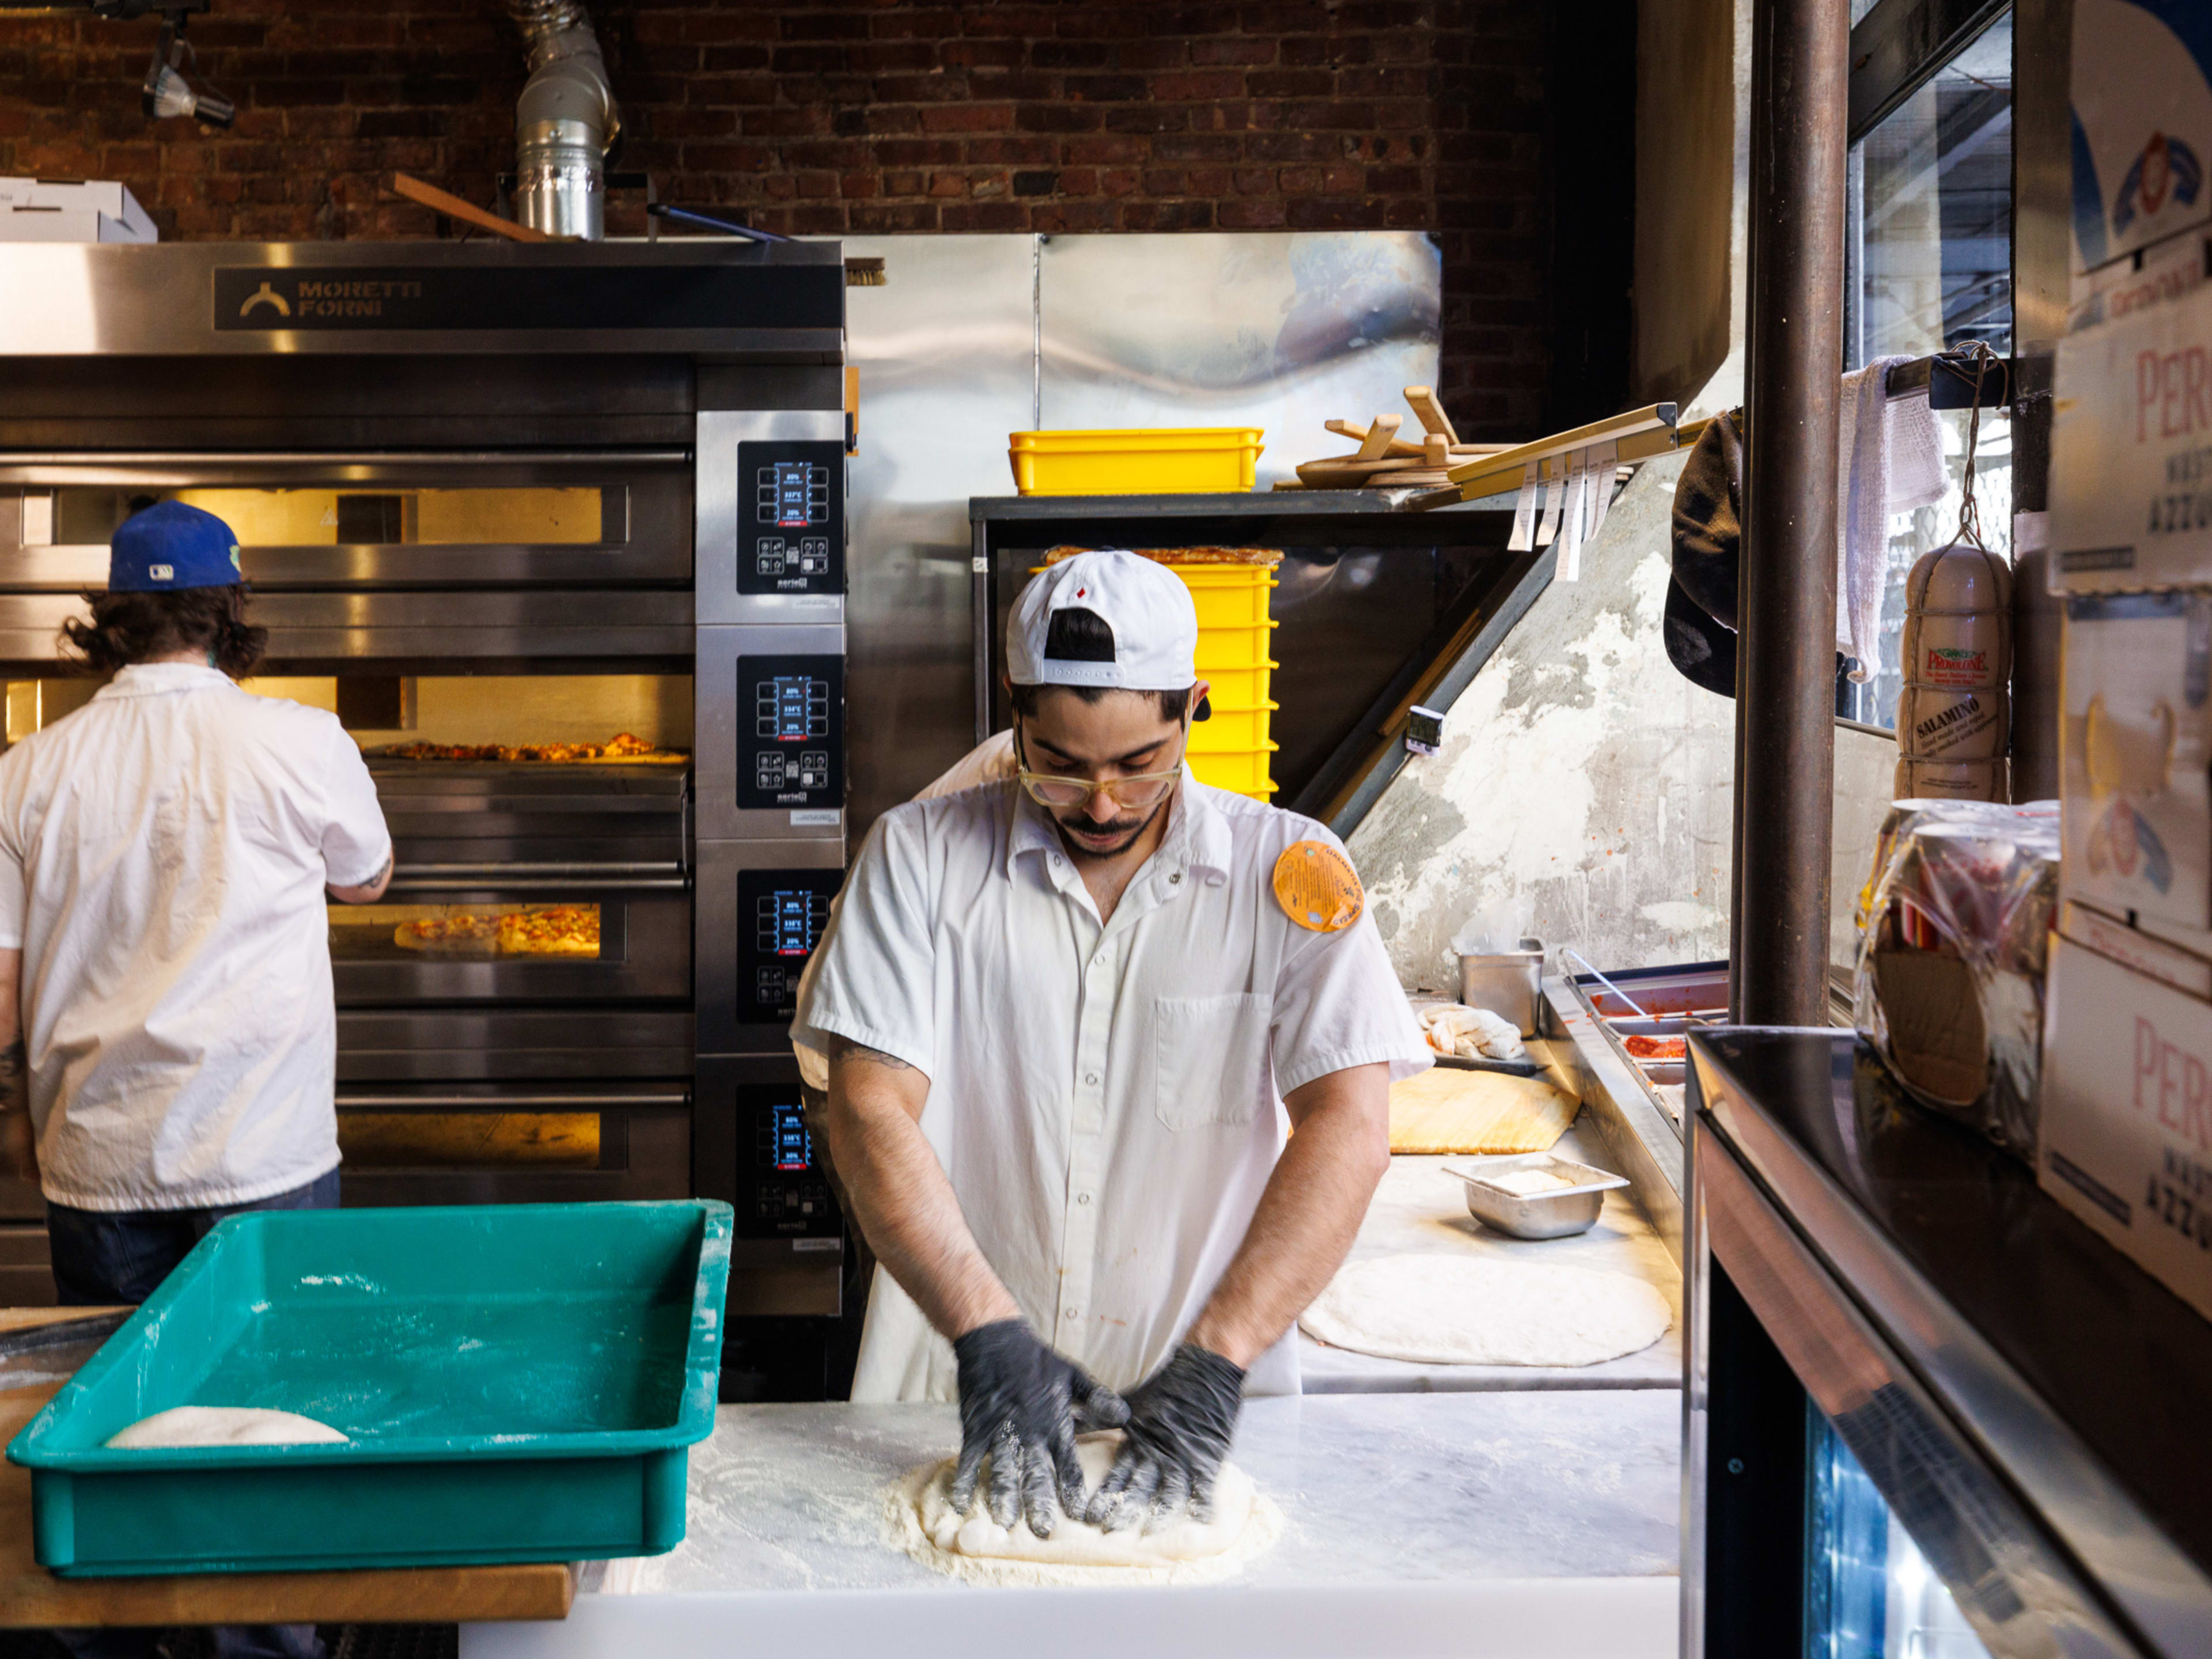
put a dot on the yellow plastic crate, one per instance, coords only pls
(1230, 750)
(1229, 595)
(1228, 730)
(1234, 647)
(1238, 688)
(1135, 461)
(1243, 771)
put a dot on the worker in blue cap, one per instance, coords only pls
(167, 1032)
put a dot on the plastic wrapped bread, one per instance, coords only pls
(1952, 925)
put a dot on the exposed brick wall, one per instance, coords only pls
(874, 116)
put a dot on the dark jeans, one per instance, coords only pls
(104, 1257)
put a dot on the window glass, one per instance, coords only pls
(1870, 1593)
(371, 1139)
(402, 932)
(320, 516)
(1928, 241)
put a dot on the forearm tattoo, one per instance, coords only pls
(846, 1048)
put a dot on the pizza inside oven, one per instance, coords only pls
(622, 747)
(454, 935)
(553, 930)
(558, 930)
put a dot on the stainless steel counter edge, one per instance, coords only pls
(2156, 1585)
(1509, 1618)
(1646, 1147)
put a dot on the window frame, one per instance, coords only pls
(1896, 49)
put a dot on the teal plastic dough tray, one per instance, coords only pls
(519, 1383)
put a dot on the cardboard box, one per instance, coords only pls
(71, 210)
(2141, 97)
(2131, 451)
(2127, 1114)
(2135, 747)
(2184, 969)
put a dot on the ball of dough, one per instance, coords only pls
(224, 1425)
(920, 1520)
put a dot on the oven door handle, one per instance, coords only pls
(539, 878)
(512, 1103)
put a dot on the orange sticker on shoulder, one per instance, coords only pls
(1317, 887)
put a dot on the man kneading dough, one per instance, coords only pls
(1069, 1020)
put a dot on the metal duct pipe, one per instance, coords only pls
(1785, 792)
(564, 122)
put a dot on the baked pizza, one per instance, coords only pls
(623, 747)
(460, 933)
(559, 930)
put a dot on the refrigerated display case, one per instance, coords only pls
(1928, 1414)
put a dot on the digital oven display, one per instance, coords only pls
(792, 707)
(791, 530)
(791, 712)
(780, 917)
(796, 493)
(787, 1145)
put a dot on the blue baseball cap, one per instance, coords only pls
(171, 546)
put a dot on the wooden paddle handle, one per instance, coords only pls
(1431, 413)
(467, 212)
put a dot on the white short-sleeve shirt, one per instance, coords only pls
(163, 852)
(1106, 1101)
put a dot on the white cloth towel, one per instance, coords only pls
(1453, 1028)
(1889, 459)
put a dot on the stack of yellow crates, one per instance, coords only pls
(1230, 586)
(1230, 751)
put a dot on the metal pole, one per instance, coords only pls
(1786, 654)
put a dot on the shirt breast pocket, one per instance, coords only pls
(1212, 1063)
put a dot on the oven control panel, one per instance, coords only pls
(781, 1191)
(791, 731)
(791, 517)
(781, 916)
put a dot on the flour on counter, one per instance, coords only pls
(1459, 1310)
(920, 1520)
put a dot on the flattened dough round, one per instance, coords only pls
(1466, 1310)
(224, 1425)
(919, 1519)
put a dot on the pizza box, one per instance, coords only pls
(2136, 743)
(2131, 453)
(2126, 1140)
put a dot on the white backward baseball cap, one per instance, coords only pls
(1147, 610)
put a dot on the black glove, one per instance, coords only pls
(1022, 1405)
(1182, 1419)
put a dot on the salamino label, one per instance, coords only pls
(1946, 729)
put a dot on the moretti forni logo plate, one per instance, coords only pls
(265, 299)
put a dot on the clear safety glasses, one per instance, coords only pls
(1139, 789)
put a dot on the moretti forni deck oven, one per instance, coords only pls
(558, 533)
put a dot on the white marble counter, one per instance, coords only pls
(1420, 1207)
(1378, 1487)
(1461, 1526)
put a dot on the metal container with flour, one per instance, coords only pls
(1535, 1195)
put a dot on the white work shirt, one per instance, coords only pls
(1106, 1100)
(163, 852)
